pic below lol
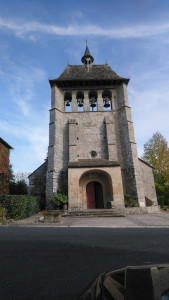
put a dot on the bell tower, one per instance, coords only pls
(91, 138)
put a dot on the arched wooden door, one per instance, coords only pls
(94, 195)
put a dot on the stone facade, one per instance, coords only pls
(148, 181)
(91, 139)
(37, 181)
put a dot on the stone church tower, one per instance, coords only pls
(92, 153)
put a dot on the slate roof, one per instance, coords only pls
(87, 52)
(96, 162)
(95, 73)
(87, 55)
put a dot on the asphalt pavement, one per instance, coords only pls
(58, 263)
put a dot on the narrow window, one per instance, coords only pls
(80, 101)
(93, 104)
(93, 100)
(107, 103)
(68, 106)
(68, 103)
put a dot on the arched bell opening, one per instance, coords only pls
(93, 100)
(67, 101)
(96, 189)
(80, 101)
(107, 102)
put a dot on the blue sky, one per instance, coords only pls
(38, 37)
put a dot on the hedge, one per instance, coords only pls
(2, 215)
(19, 206)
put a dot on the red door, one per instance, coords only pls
(90, 193)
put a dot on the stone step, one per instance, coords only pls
(91, 213)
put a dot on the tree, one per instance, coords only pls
(18, 182)
(156, 153)
(18, 188)
(11, 173)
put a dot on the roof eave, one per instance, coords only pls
(6, 144)
(146, 163)
(114, 80)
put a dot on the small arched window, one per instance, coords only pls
(80, 101)
(107, 103)
(93, 100)
(67, 101)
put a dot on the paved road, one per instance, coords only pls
(57, 263)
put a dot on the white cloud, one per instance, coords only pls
(21, 29)
(24, 121)
(30, 143)
(150, 109)
(22, 86)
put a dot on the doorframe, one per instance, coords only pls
(95, 198)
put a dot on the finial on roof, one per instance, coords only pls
(67, 62)
(87, 59)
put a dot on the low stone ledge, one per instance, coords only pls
(140, 210)
(121, 210)
(52, 219)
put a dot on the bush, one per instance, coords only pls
(162, 194)
(165, 207)
(18, 188)
(59, 199)
(4, 183)
(149, 202)
(19, 206)
(2, 216)
(162, 201)
(130, 201)
(49, 213)
(2, 212)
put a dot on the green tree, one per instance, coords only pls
(18, 188)
(11, 173)
(156, 153)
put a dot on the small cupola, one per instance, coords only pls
(87, 59)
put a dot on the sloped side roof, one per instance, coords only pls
(36, 172)
(81, 72)
(5, 143)
(146, 163)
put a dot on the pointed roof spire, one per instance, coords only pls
(87, 59)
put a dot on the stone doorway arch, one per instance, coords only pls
(101, 180)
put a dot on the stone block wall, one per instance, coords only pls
(132, 179)
(37, 181)
(148, 181)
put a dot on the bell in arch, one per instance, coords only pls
(67, 102)
(92, 101)
(80, 102)
(106, 102)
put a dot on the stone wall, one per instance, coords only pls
(132, 179)
(148, 181)
(37, 181)
(139, 210)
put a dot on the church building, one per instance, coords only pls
(92, 153)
